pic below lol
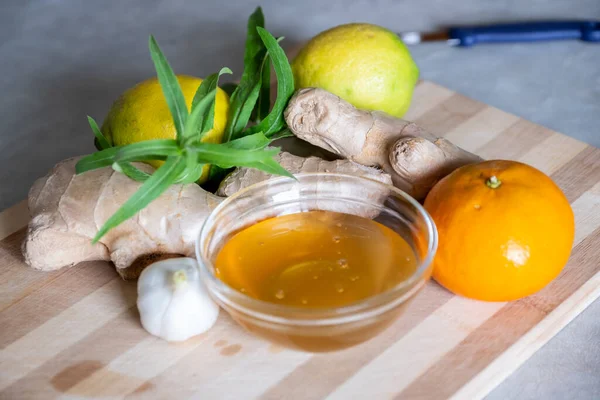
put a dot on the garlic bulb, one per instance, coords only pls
(173, 302)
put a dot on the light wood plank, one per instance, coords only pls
(427, 96)
(46, 341)
(555, 152)
(14, 218)
(500, 368)
(418, 350)
(480, 129)
(587, 213)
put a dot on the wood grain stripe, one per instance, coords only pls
(201, 362)
(527, 134)
(449, 114)
(581, 267)
(41, 344)
(14, 218)
(348, 362)
(16, 279)
(245, 374)
(526, 346)
(587, 212)
(252, 375)
(134, 366)
(418, 350)
(426, 97)
(150, 357)
(221, 350)
(580, 174)
(472, 353)
(553, 153)
(50, 299)
(58, 374)
(481, 128)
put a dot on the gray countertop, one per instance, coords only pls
(61, 60)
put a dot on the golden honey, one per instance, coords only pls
(315, 259)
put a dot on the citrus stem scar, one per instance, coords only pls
(493, 182)
(179, 278)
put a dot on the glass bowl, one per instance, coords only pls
(318, 329)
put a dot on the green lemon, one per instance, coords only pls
(364, 64)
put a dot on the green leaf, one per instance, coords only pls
(103, 144)
(281, 134)
(208, 84)
(191, 176)
(100, 159)
(225, 157)
(255, 49)
(244, 112)
(271, 166)
(251, 142)
(149, 191)
(193, 131)
(148, 150)
(244, 98)
(170, 87)
(131, 172)
(193, 170)
(101, 140)
(285, 85)
(264, 97)
(97, 145)
(229, 88)
(202, 121)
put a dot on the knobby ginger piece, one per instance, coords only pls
(414, 158)
(243, 177)
(67, 211)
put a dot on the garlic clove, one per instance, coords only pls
(152, 307)
(182, 321)
(173, 302)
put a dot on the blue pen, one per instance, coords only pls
(588, 31)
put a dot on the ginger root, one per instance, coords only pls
(414, 158)
(68, 209)
(243, 177)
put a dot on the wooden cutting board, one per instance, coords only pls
(76, 333)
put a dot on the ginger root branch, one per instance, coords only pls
(68, 209)
(374, 139)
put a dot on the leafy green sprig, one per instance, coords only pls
(185, 156)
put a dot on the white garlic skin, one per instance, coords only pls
(173, 302)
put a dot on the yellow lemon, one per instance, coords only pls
(141, 113)
(366, 65)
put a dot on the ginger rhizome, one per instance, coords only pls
(67, 210)
(415, 158)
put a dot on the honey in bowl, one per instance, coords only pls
(318, 280)
(315, 259)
